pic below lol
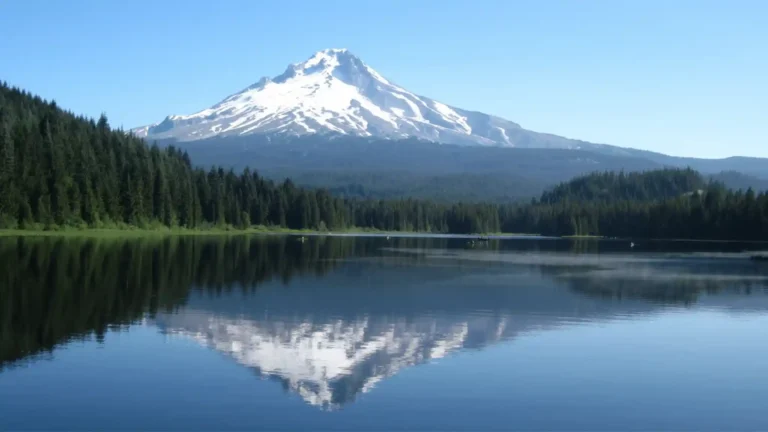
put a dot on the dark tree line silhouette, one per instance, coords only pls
(671, 203)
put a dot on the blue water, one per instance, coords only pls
(428, 336)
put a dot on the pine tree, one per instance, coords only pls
(9, 207)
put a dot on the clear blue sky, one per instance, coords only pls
(676, 76)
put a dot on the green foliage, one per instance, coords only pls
(635, 186)
(711, 213)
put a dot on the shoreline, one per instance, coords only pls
(259, 230)
(118, 233)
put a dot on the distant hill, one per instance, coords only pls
(378, 168)
(436, 187)
(375, 168)
(635, 186)
(736, 180)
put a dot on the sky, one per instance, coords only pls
(680, 77)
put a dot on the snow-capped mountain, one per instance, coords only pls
(334, 92)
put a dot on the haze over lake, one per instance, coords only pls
(376, 333)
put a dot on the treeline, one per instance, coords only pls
(655, 204)
(621, 186)
(58, 169)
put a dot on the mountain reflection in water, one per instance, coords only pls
(332, 317)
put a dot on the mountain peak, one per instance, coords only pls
(323, 56)
(334, 91)
(330, 55)
(332, 52)
(327, 61)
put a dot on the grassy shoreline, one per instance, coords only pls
(213, 231)
(144, 232)
(135, 232)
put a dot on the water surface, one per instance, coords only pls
(356, 333)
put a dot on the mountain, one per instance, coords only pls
(334, 92)
(322, 120)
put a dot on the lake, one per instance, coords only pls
(375, 333)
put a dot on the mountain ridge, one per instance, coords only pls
(335, 93)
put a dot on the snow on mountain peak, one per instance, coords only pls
(331, 54)
(333, 92)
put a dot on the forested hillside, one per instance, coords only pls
(513, 188)
(738, 180)
(58, 169)
(361, 167)
(444, 188)
(657, 204)
(634, 186)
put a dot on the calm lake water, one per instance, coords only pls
(353, 333)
